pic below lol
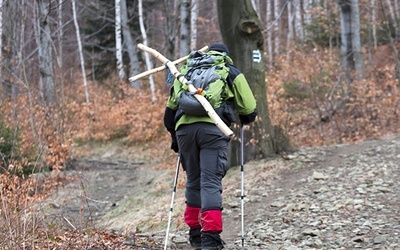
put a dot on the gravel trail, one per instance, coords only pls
(339, 197)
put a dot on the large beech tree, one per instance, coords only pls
(241, 31)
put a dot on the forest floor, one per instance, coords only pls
(336, 197)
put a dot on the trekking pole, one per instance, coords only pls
(242, 178)
(172, 201)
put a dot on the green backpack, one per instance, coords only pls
(208, 73)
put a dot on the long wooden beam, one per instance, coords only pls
(161, 68)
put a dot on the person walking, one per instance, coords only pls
(203, 150)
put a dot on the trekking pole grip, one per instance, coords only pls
(203, 101)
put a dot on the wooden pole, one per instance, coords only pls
(203, 101)
(161, 68)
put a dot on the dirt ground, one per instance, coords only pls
(338, 197)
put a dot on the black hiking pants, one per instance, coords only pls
(204, 150)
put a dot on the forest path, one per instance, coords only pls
(338, 197)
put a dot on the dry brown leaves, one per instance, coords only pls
(325, 110)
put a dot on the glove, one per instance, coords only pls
(174, 145)
(246, 119)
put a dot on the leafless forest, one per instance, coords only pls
(332, 76)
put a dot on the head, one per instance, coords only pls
(220, 47)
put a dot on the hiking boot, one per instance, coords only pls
(211, 241)
(195, 238)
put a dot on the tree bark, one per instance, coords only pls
(170, 27)
(277, 30)
(81, 58)
(194, 13)
(147, 57)
(298, 22)
(60, 34)
(393, 44)
(242, 33)
(269, 33)
(393, 18)
(351, 42)
(373, 21)
(118, 40)
(47, 88)
(346, 49)
(256, 6)
(290, 25)
(356, 40)
(185, 28)
(1, 41)
(307, 17)
(130, 45)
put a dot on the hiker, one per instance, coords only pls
(203, 149)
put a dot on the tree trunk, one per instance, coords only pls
(393, 44)
(60, 34)
(130, 44)
(81, 58)
(146, 55)
(277, 30)
(351, 42)
(185, 28)
(194, 13)
(290, 25)
(346, 49)
(170, 27)
(373, 21)
(118, 40)
(307, 17)
(298, 22)
(256, 6)
(47, 88)
(356, 40)
(242, 33)
(269, 33)
(1, 41)
(393, 18)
